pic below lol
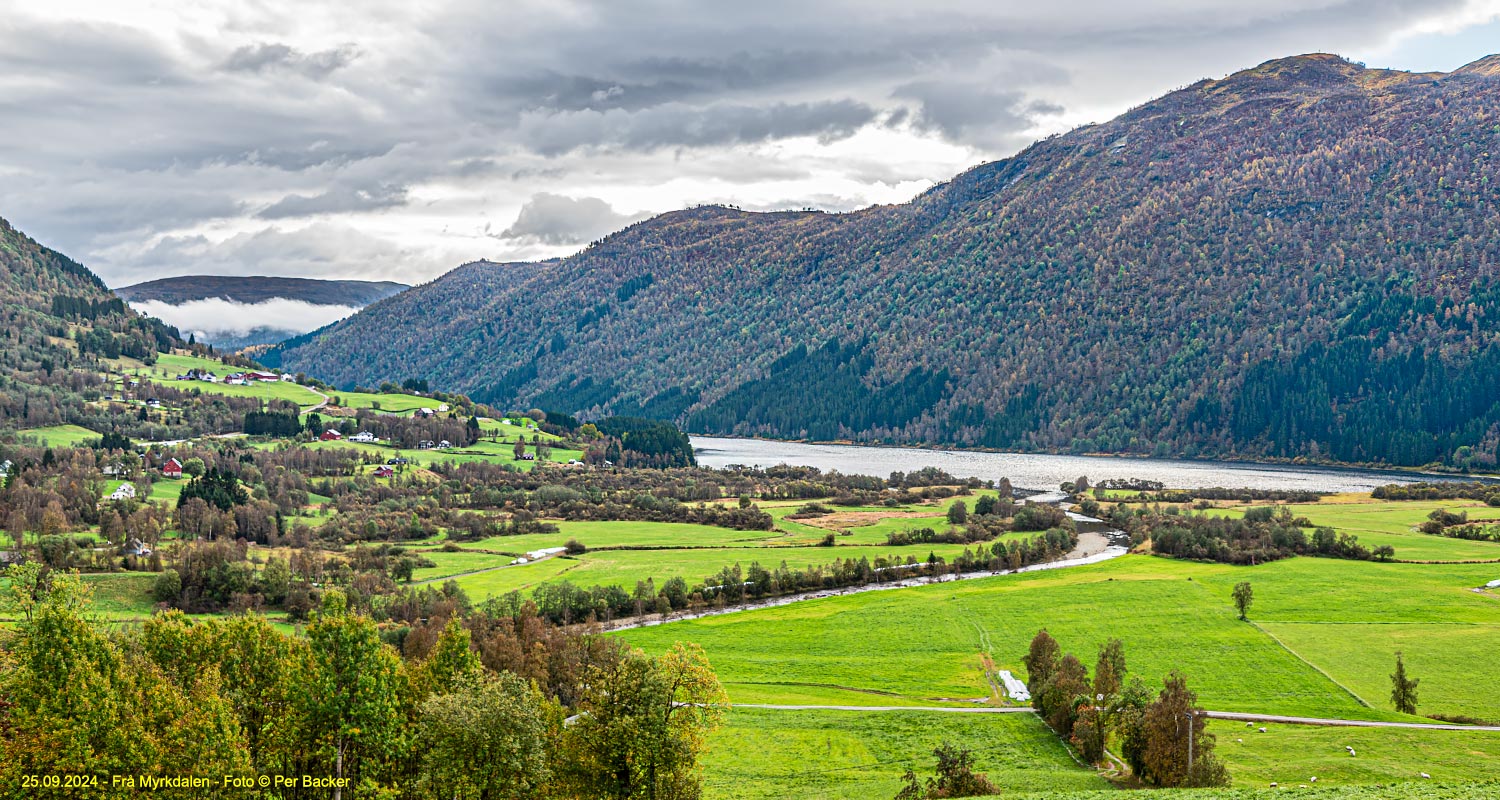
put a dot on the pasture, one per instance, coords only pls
(61, 435)
(843, 754)
(926, 643)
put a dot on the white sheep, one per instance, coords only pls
(1262, 730)
(1423, 774)
(1313, 779)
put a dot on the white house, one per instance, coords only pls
(444, 444)
(125, 491)
(363, 436)
(443, 407)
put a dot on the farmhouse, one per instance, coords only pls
(425, 444)
(363, 436)
(331, 435)
(137, 548)
(172, 469)
(125, 491)
(444, 445)
(384, 471)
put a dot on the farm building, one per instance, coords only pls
(363, 436)
(172, 469)
(330, 435)
(384, 471)
(125, 491)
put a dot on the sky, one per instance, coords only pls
(389, 140)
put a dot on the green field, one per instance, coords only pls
(1292, 754)
(841, 754)
(492, 452)
(61, 435)
(394, 403)
(925, 643)
(168, 366)
(1383, 523)
(832, 755)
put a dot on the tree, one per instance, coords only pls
(1041, 662)
(641, 725)
(1178, 748)
(955, 777)
(520, 448)
(193, 467)
(351, 690)
(958, 513)
(1243, 597)
(1063, 693)
(486, 739)
(1403, 689)
(452, 662)
(1109, 670)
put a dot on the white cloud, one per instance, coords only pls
(219, 316)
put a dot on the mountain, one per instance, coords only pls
(1297, 260)
(258, 289)
(57, 321)
(238, 311)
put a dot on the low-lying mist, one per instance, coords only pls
(216, 319)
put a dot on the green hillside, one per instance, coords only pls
(1296, 260)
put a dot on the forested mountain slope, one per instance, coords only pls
(1297, 260)
(56, 319)
(259, 288)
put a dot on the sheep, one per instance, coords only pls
(1262, 730)
(1313, 779)
(1423, 774)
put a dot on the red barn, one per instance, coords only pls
(330, 435)
(383, 471)
(172, 469)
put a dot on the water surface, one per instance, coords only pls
(1044, 471)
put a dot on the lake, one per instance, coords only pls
(1044, 471)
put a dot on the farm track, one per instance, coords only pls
(1220, 715)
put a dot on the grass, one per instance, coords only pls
(626, 567)
(483, 451)
(1393, 523)
(394, 403)
(1292, 754)
(833, 755)
(61, 435)
(926, 642)
(170, 365)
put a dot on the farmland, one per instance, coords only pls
(844, 754)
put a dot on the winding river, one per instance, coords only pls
(1044, 472)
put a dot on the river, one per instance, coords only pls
(1044, 471)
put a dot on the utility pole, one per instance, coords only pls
(1191, 721)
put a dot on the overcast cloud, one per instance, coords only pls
(394, 140)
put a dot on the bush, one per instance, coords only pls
(168, 587)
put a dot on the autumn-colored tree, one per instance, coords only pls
(487, 739)
(1109, 670)
(451, 663)
(1065, 694)
(1041, 662)
(350, 694)
(1178, 748)
(641, 725)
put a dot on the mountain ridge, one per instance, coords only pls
(1158, 284)
(259, 288)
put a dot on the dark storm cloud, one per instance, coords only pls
(169, 144)
(975, 114)
(264, 56)
(555, 219)
(680, 125)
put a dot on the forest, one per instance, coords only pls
(1182, 280)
